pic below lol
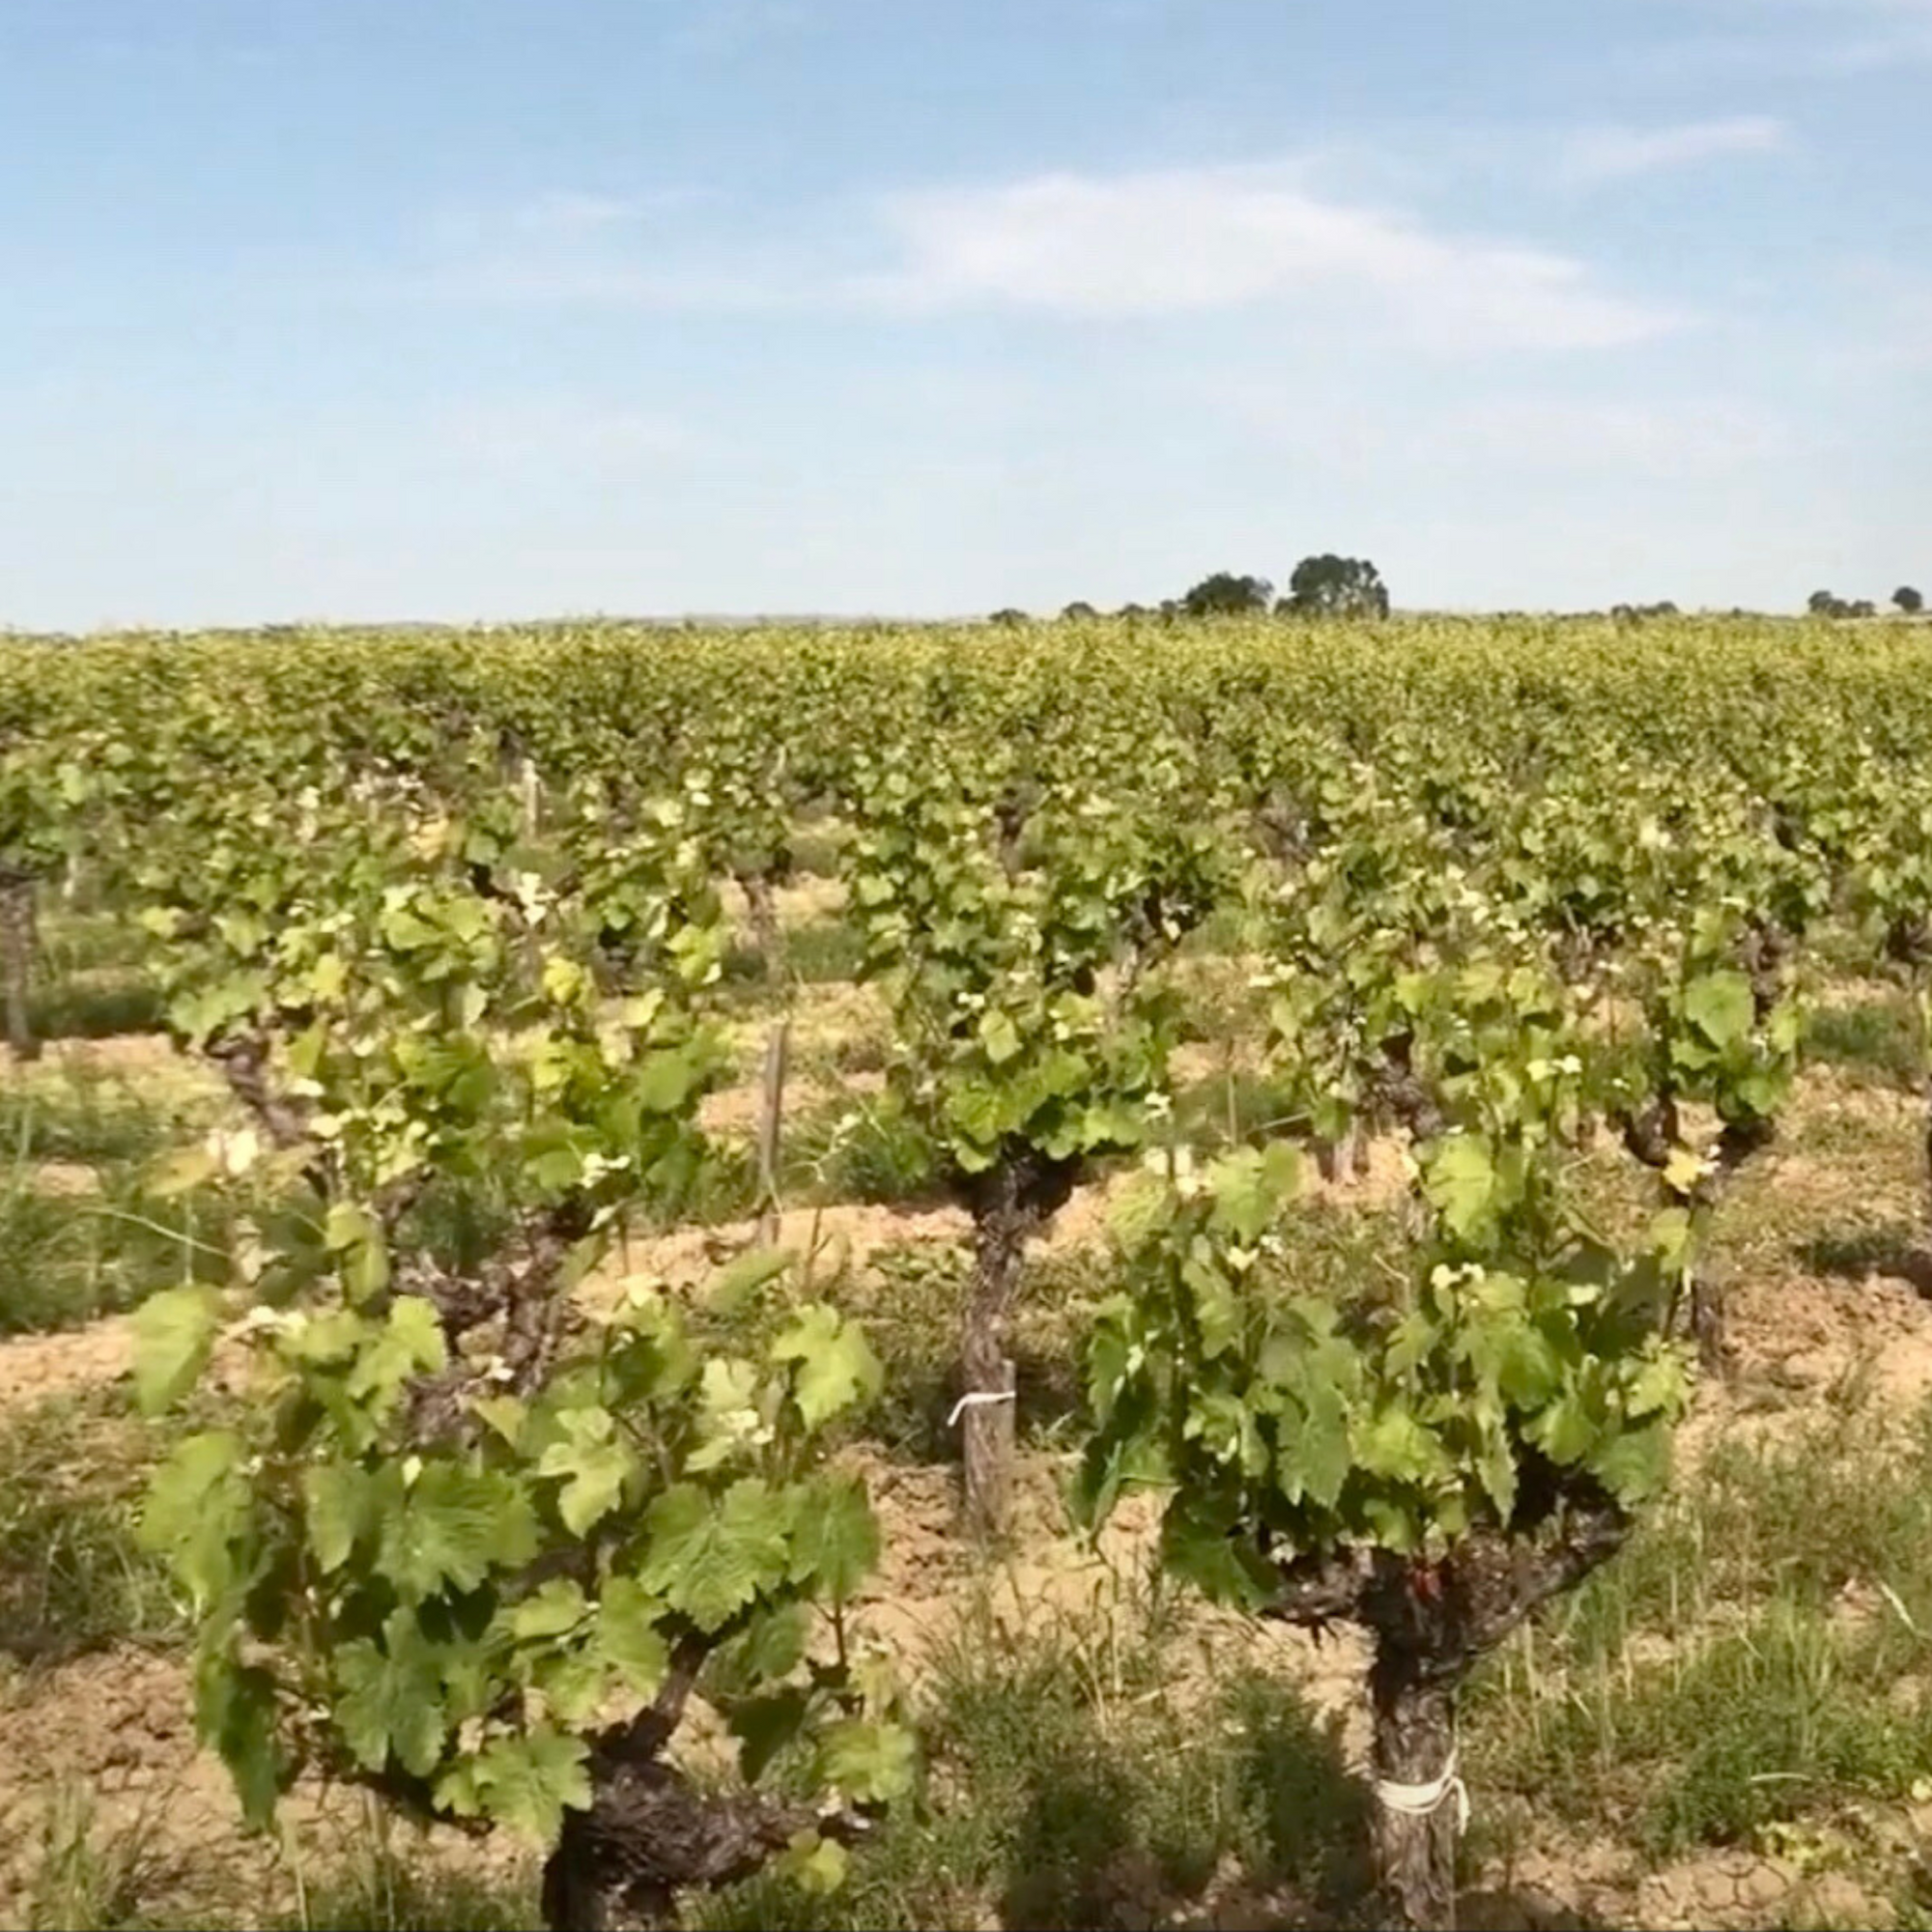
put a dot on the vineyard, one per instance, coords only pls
(1241, 1273)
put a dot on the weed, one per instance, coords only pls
(90, 1878)
(96, 1006)
(1871, 1035)
(1073, 1782)
(1752, 1658)
(870, 1150)
(68, 1258)
(78, 1117)
(824, 951)
(72, 1573)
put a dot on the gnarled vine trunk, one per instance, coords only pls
(16, 957)
(1652, 1137)
(1008, 1203)
(651, 1833)
(1416, 1817)
(1433, 1622)
(762, 904)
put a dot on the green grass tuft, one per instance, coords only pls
(72, 1573)
(1874, 1035)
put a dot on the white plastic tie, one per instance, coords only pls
(978, 1398)
(1424, 1801)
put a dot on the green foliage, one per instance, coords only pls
(448, 906)
(662, 1488)
(1015, 949)
(1522, 1347)
(461, 1526)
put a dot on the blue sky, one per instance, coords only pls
(496, 308)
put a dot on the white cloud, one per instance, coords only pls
(1617, 153)
(1171, 242)
(572, 214)
(1670, 441)
(1193, 240)
(551, 430)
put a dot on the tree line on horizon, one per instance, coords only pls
(1344, 586)
(1825, 604)
(1319, 586)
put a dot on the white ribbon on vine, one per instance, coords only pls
(978, 1398)
(1424, 1801)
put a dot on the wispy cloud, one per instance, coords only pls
(180, 52)
(726, 27)
(1082, 246)
(1619, 154)
(1671, 440)
(1192, 240)
(561, 218)
(1527, 435)
(1889, 328)
(554, 430)
(1810, 38)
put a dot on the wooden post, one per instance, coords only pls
(771, 1121)
(989, 1437)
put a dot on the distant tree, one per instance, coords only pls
(1226, 595)
(1135, 610)
(1009, 617)
(1863, 607)
(1908, 600)
(1336, 586)
(1823, 604)
(1079, 607)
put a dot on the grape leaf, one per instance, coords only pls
(528, 1782)
(628, 1634)
(555, 1609)
(452, 1526)
(709, 1559)
(869, 1762)
(409, 1342)
(1459, 1180)
(197, 1503)
(595, 1463)
(340, 1496)
(835, 1542)
(392, 1697)
(174, 1332)
(1720, 1007)
(234, 1712)
(835, 1363)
